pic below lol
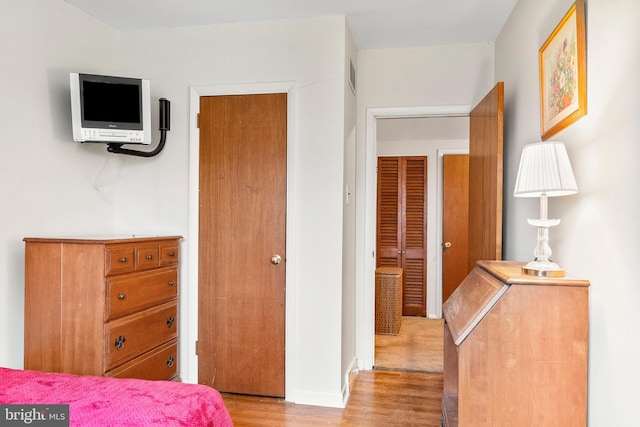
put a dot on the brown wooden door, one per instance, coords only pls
(389, 213)
(485, 178)
(241, 302)
(455, 222)
(401, 226)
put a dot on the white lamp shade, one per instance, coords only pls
(545, 169)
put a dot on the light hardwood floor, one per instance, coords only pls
(378, 398)
(419, 346)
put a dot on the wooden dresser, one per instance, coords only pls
(102, 306)
(515, 350)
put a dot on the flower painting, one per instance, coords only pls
(562, 73)
(563, 81)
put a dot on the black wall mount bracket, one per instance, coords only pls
(164, 126)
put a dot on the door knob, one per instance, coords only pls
(446, 245)
(276, 259)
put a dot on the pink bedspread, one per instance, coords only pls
(100, 401)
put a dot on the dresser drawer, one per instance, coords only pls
(157, 364)
(147, 256)
(119, 259)
(133, 335)
(169, 254)
(133, 292)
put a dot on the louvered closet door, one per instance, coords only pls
(389, 246)
(401, 228)
(414, 236)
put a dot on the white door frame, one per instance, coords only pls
(190, 365)
(366, 225)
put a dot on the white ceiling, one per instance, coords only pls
(375, 23)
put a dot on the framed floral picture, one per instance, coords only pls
(563, 69)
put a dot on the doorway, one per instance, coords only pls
(485, 136)
(455, 221)
(242, 251)
(189, 362)
(427, 138)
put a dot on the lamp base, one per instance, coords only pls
(543, 269)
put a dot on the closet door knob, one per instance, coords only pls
(276, 259)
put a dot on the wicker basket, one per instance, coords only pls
(388, 300)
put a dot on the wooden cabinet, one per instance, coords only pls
(102, 306)
(515, 350)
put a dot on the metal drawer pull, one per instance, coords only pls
(149, 257)
(119, 344)
(170, 321)
(172, 283)
(123, 259)
(121, 296)
(172, 253)
(170, 361)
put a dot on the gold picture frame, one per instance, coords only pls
(563, 73)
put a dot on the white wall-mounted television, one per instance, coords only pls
(110, 109)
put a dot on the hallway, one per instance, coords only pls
(418, 347)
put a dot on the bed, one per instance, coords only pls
(101, 401)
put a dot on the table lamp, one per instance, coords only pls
(545, 171)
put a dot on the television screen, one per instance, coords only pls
(111, 102)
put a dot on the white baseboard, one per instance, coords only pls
(346, 387)
(330, 400)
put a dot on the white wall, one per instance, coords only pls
(597, 237)
(349, 362)
(50, 184)
(311, 54)
(431, 79)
